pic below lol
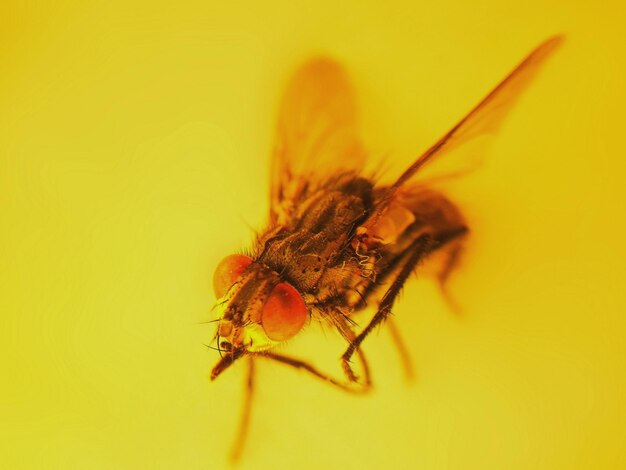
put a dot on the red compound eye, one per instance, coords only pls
(228, 271)
(284, 313)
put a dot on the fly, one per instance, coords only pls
(337, 241)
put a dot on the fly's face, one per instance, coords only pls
(258, 310)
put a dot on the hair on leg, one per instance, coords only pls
(244, 421)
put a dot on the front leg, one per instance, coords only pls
(299, 364)
(244, 422)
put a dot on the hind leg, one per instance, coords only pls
(401, 348)
(452, 256)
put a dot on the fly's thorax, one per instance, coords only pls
(313, 240)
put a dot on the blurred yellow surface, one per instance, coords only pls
(134, 147)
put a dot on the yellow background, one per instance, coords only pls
(134, 143)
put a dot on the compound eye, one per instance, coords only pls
(284, 313)
(227, 273)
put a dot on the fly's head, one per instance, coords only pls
(257, 309)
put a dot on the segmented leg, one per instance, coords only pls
(342, 324)
(225, 362)
(423, 245)
(244, 422)
(451, 262)
(455, 237)
(298, 364)
(416, 251)
(405, 357)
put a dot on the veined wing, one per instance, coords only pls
(316, 133)
(485, 118)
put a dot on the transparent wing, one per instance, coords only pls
(484, 119)
(316, 131)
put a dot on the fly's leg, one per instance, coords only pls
(405, 358)
(417, 250)
(396, 337)
(451, 262)
(342, 323)
(422, 246)
(244, 422)
(298, 364)
(455, 239)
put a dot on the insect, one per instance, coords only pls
(337, 241)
